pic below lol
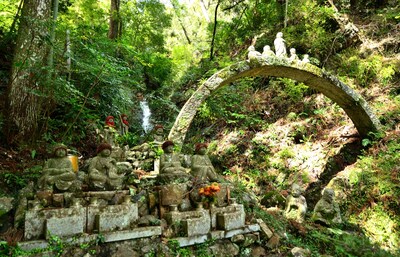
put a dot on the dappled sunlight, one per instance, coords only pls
(379, 225)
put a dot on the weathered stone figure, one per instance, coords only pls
(296, 205)
(293, 56)
(110, 131)
(305, 59)
(267, 52)
(158, 136)
(58, 173)
(201, 166)
(254, 57)
(124, 124)
(280, 45)
(103, 171)
(326, 210)
(169, 161)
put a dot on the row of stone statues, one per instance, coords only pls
(105, 174)
(326, 211)
(280, 53)
(201, 168)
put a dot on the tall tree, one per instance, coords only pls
(114, 30)
(27, 86)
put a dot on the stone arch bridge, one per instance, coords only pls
(349, 100)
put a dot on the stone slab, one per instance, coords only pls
(231, 220)
(217, 234)
(132, 234)
(264, 228)
(197, 226)
(186, 241)
(107, 195)
(108, 237)
(35, 244)
(117, 217)
(247, 229)
(69, 226)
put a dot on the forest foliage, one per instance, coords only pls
(165, 49)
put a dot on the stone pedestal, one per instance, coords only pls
(173, 194)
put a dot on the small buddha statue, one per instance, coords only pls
(254, 57)
(201, 166)
(158, 135)
(293, 56)
(58, 173)
(267, 52)
(103, 171)
(305, 59)
(326, 210)
(124, 124)
(296, 205)
(169, 161)
(110, 131)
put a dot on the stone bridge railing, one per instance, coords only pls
(349, 100)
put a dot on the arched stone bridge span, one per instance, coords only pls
(351, 102)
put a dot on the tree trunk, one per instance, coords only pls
(115, 19)
(50, 60)
(214, 31)
(27, 86)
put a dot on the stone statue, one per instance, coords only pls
(169, 161)
(103, 171)
(124, 124)
(326, 210)
(110, 131)
(158, 135)
(305, 59)
(201, 166)
(296, 205)
(267, 52)
(280, 46)
(254, 57)
(58, 173)
(293, 56)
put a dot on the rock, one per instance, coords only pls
(264, 229)
(225, 248)
(6, 205)
(258, 251)
(273, 242)
(300, 252)
(125, 252)
(251, 239)
(148, 220)
(238, 239)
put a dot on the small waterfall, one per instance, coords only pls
(146, 113)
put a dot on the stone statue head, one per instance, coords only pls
(292, 50)
(279, 34)
(328, 194)
(251, 48)
(296, 190)
(110, 121)
(168, 146)
(159, 129)
(104, 149)
(59, 151)
(201, 148)
(266, 48)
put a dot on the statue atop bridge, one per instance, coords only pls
(280, 45)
